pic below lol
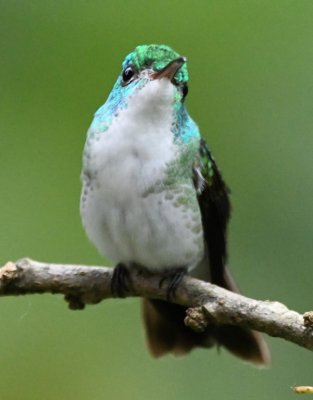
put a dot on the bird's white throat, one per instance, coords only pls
(139, 141)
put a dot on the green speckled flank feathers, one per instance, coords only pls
(180, 169)
(157, 57)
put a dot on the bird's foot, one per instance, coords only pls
(121, 281)
(174, 277)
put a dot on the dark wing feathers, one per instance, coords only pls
(213, 198)
(214, 203)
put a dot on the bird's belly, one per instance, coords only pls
(158, 230)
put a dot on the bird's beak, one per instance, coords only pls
(170, 69)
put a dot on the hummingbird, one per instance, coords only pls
(153, 198)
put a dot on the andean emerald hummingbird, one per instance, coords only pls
(154, 198)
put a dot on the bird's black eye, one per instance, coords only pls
(128, 75)
(185, 90)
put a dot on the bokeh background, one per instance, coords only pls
(251, 91)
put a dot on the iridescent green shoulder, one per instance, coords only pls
(204, 166)
(157, 57)
(207, 178)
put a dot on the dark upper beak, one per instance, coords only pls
(170, 69)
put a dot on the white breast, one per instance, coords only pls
(126, 217)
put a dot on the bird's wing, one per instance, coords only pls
(214, 203)
(213, 199)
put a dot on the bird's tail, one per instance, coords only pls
(167, 333)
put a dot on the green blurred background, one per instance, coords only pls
(251, 92)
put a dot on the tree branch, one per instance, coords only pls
(207, 302)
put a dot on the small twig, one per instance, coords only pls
(83, 285)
